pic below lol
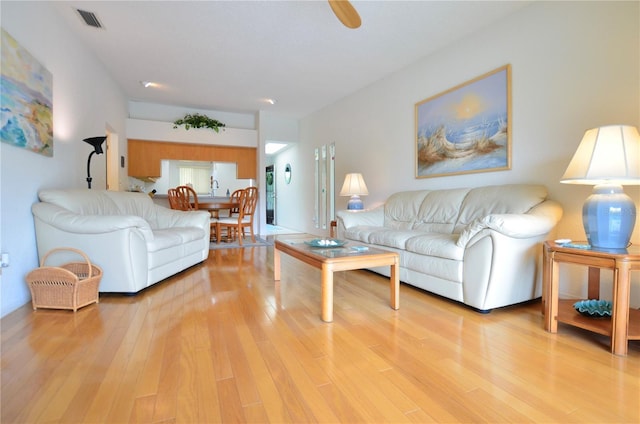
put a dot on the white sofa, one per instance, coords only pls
(479, 246)
(136, 242)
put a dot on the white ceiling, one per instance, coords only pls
(232, 55)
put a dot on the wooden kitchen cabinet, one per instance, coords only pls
(145, 157)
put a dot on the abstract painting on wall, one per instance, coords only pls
(26, 113)
(467, 128)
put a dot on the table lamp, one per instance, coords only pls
(607, 157)
(355, 187)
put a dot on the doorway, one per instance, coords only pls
(271, 195)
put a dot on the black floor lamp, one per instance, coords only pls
(96, 142)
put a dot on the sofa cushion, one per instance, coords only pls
(372, 217)
(163, 239)
(170, 237)
(190, 234)
(435, 244)
(439, 210)
(503, 199)
(81, 201)
(445, 269)
(401, 209)
(391, 238)
(138, 204)
(360, 232)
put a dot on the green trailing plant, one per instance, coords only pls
(198, 121)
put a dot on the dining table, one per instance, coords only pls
(216, 204)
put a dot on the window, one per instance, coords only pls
(199, 177)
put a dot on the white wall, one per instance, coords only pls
(86, 102)
(278, 129)
(287, 201)
(155, 130)
(575, 65)
(169, 113)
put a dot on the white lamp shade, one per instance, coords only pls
(608, 154)
(354, 186)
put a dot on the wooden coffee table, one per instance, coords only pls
(344, 258)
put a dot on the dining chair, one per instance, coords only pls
(174, 202)
(235, 226)
(188, 198)
(250, 211)
(235, 196)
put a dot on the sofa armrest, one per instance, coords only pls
(346, 219)
(372, 217)
(169, 218)
(540, 220)
(70, 222)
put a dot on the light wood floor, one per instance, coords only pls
(221, 342)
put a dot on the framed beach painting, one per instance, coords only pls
(26, 116)
(465, 129)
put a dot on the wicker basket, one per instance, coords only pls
(69, 286)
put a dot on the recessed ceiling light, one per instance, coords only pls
(147, 84)
(270, 101)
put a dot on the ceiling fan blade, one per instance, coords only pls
(346, 13)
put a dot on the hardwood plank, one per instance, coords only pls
(230, 404)
(142, 409)
(186, 385)
(255, 413)
(305, 375)
(169, 378)
(296, 406)
(240, 366)
(272, 403)
(207, 399)
(127, 363)
(81, 385)
(342, 406)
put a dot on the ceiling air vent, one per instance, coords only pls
(90, 18)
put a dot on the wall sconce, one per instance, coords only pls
(607, 158)
(355, 187)
(287, 173)
(96, 142)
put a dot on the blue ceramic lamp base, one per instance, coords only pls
(608, 216)
(355, 203)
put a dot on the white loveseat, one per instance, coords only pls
(479, 246)
(136, 242)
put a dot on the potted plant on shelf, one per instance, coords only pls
(196, 120)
